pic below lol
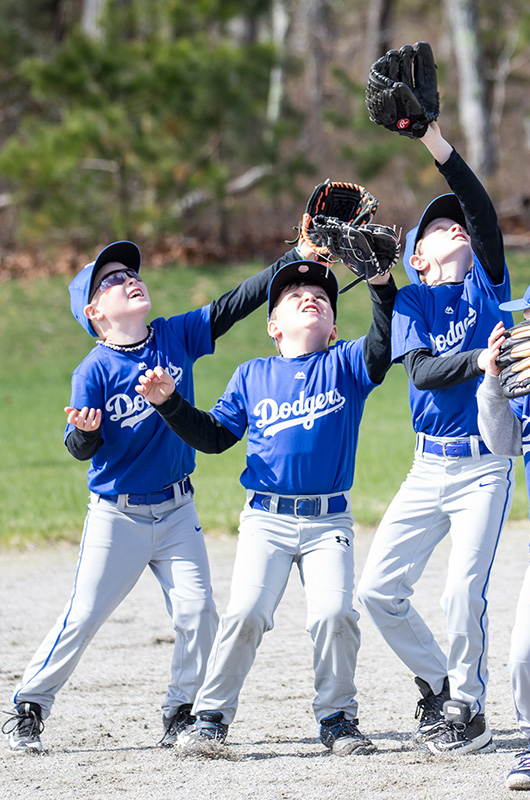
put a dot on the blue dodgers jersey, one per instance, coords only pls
(302, 418)
(140, 453)
(447, 319)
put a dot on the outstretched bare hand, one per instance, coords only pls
(156, 385)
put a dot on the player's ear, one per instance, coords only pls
(92, 313)
(333, 334)
(418, 263)
(273, 329)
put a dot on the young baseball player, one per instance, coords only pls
(298, 491)
(441, 323)
(141, 511)
(504, 425)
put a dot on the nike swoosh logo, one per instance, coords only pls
(486, 483)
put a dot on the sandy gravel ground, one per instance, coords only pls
(101, 738)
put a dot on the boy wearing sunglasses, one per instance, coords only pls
(141, 511)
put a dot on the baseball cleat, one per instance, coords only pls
(343, 737)
(519, 775)
(24, 727)
(429, 710)
(174, 725)
(459, 734)
(206, 729)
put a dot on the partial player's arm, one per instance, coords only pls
(439, 148)
(498, 424)
(377, 343)
(429, 372)
(434, 372)
(200, 429)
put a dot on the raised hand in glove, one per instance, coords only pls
(402, 90)
(346, 202)
(367, 250)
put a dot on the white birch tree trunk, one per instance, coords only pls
(473, 112)
(279, 26)
(91, 16)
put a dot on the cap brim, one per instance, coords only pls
(124, 252)
(515, 305)
(446, 205)
(304, 272)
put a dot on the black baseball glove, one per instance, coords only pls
(514, 361)
(368, 250)
(402, 90)
(346, 202)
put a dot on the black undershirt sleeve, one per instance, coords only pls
(377, 344)
(481, 217)
(238, 303)
(200, 429)
(430, 372)
(83, 444)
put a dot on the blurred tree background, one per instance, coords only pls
(199, 128)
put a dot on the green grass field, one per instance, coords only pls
(43, 491)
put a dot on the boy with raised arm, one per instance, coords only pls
(301, 411)
(455, 260)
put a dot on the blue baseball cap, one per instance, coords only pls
(124, 252)
(446, 205)
(517, 305)
(314, 272)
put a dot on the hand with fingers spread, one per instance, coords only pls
(156, 385)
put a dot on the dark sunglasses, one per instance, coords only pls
(115, 278)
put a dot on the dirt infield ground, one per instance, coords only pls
(102, 735)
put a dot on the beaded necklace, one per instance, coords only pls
(128, 348)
